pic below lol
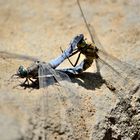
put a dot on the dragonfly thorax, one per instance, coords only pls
(87, 49)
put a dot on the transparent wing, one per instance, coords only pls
(92, 34)
(49, 76)
(57, 110)
(5, 54)
(61, 102)
(95, 39)
(98, 45)
(120, 74)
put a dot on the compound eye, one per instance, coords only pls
(81, 44)
(20, 69)
(22, 72)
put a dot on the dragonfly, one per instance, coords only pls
(59, 98)
(119, 76)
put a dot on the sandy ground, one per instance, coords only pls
(39, 28)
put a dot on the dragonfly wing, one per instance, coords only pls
(120, 74)
(92, 33)
(5, 54)
(45, 76)
(61, 99)
(49, 76)
(98, 44)
(95, 39)
(121, 66)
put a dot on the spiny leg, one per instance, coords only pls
(77, 59)
(23, 84)
(72, 55)
(34, 82)
(26, 81)
(31, 80)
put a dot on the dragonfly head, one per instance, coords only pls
(22, 72)
(82, 42)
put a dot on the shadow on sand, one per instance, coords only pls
(89, 80)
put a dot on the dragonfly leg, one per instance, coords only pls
(35, 82)
(24, 83)
(31, 80)
(67, 53)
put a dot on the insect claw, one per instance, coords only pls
(14, 76)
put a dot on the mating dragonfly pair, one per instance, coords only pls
(115, 72)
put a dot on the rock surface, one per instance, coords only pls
(87, 108)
